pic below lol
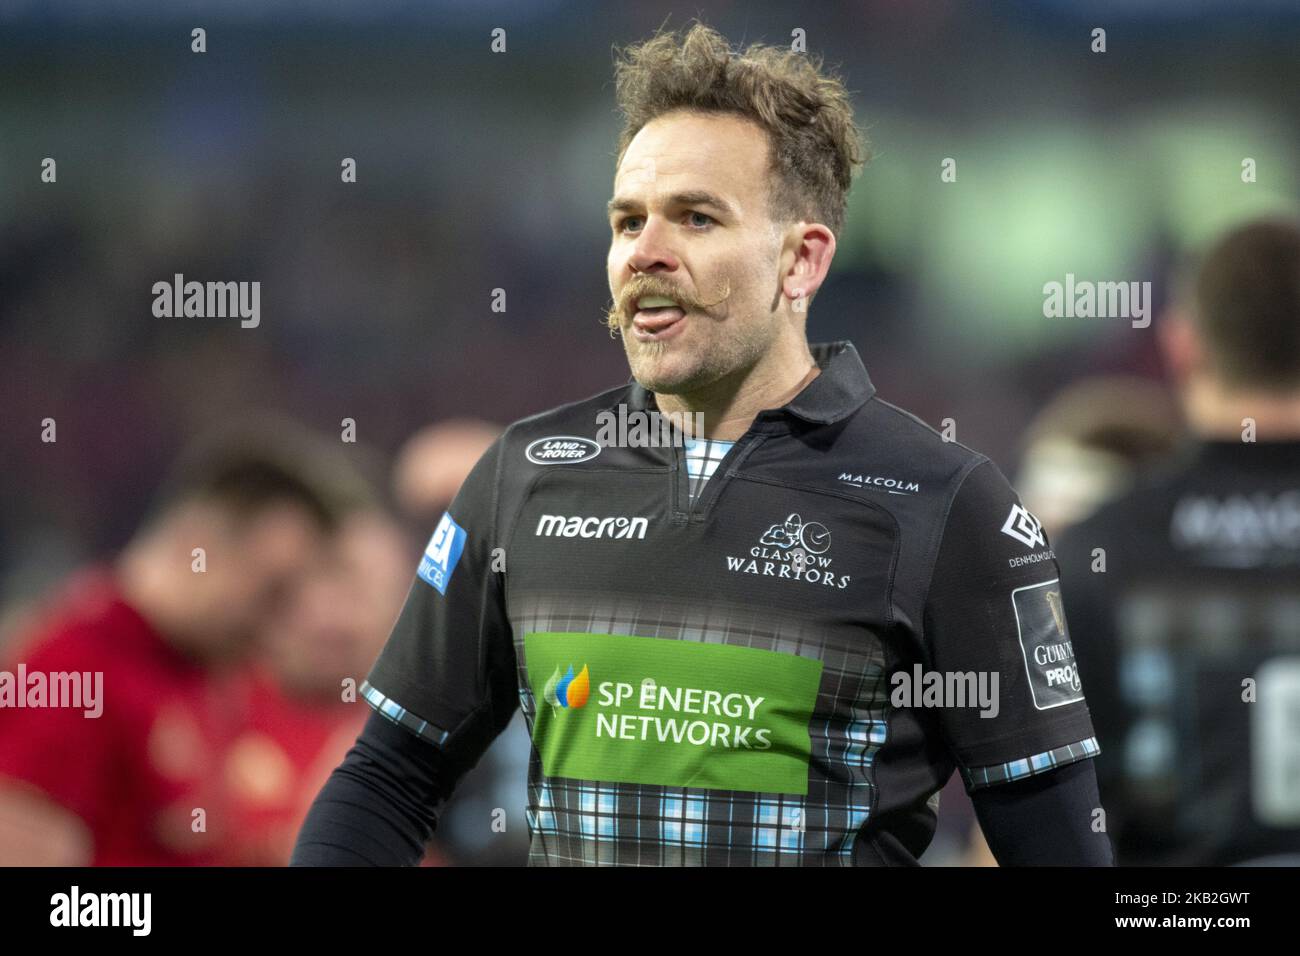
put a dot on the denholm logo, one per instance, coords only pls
(569, 690)
(1024, 527)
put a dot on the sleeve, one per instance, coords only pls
(448, 672)
(377, 807)
(995, 614)
(1045, 819)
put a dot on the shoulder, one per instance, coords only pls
(507, 470)
(566, 430)
(1140, 513)
(893, 438)
(77, 627)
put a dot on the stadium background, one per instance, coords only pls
(480, 171)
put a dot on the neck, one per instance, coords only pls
(146, 585)
(1218, 414)
(730, 404)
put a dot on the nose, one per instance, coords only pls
(650, 253)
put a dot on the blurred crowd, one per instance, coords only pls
(228, 639)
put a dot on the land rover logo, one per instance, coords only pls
(561, 450)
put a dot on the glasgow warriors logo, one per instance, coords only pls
(793, 549)
(813, 537)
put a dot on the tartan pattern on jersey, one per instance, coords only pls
(702, 458)
(977, 777)
(590, 822)
(400, 715)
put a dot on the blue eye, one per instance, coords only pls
(707, 219)
(623, 223)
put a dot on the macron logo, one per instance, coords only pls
(560, 526)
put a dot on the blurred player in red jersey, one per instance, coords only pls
(331, 629)
(169, 628)
(301, 721)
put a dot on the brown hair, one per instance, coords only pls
(1248, 304)
(264, 461)
(815, 146)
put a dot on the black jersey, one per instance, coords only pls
(784, 669)
(1185, 599)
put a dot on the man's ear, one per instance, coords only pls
(1180, 344)
(806, 257)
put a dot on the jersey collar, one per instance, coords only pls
(839, 391)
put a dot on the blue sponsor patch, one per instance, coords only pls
(443, 552)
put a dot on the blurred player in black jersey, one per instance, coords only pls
(1184, 594)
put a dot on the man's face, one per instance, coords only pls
(252, 568)
(336, 621)
(690, 223)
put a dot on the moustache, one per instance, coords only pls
(625, 307)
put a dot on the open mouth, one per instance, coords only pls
(657, 317)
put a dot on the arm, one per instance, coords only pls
(376, 808)
(994, 607)
(56, 764)
(443, 688)
(1045, 819)
(35, 831)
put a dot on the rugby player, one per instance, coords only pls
(298, 723)
(1186, 591)
(704, 638)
